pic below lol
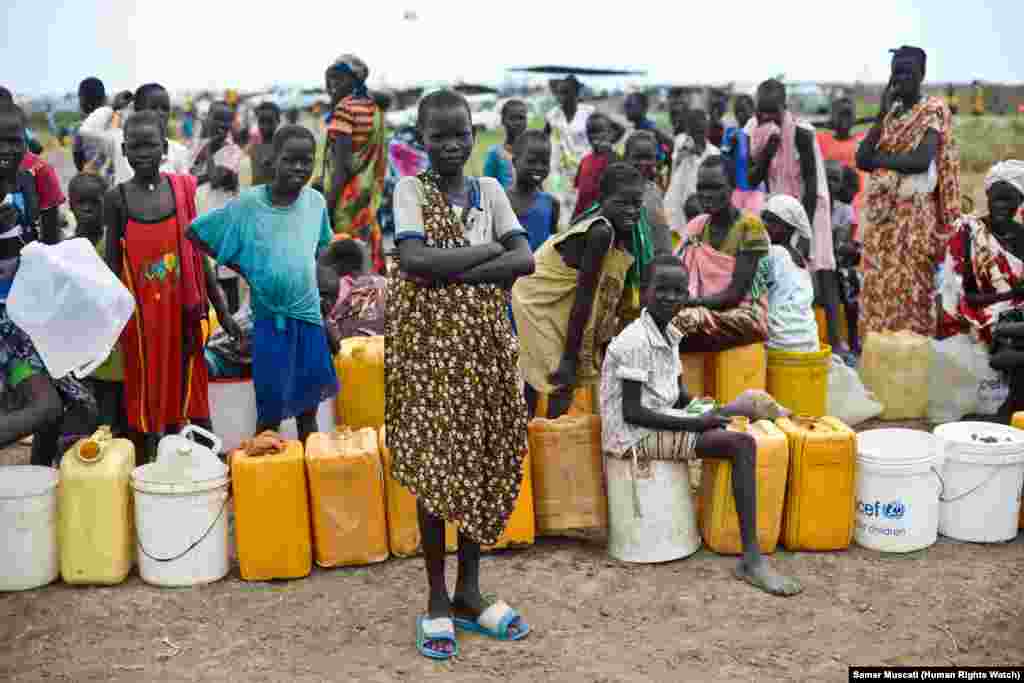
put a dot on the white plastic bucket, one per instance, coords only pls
(233, 413)
(982, 496)
(29, 553)
(898, 486)
(651, 517)
(181, 518)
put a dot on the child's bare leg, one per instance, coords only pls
(741, 450)
(826, 292)
(439, 605)
(306, 424)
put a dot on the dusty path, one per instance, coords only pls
(594, 619)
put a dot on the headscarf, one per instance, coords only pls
(911, 52)
(1010, 171)
(791, 212)
(355, 67)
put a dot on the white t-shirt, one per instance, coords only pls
(791, 322)
(489, 219)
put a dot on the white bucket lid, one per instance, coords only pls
(26, 481)
(897, 448)
(963, 441)
(187, 472)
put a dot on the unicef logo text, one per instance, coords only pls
(895, 510)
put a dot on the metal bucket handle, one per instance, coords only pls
(990, 477)
(189, 549)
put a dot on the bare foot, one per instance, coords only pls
(761, 575)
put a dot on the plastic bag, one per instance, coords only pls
(961, 380)
(70, 304)
(848, 399)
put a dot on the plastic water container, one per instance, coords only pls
(233, 413)
(726, 374)
(583, 402)
(651, 515)
(1018, 422)
(820, 501)
(97, 521)
(895, 367)
(181, 513)
(898, 486)
(799, 381)
(346, 491)
(568, 474)
(29, 555)
(70, 304)
(272, 533)
(719, 521)
(521, 527)
(403, 524)
(981, 498)
(360, 368)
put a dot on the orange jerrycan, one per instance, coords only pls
(360, 368)
(583, 402)
(820, 496)
(403, 523)
(272, 531)
(520, 529)
(724, 375)
(719, 523)
(97, 517)
(346, 485)
(568, 474)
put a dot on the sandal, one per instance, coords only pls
(428, 630)
(494, 622)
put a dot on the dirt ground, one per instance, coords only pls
(594, 619)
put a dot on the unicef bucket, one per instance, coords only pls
(898, 487)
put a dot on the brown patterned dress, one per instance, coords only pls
(455, 417)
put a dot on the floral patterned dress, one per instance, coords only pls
(355, 214)
(455, 417)
(907, 220)
(977, 261)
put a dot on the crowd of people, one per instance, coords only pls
(589, 255)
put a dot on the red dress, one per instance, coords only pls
(845, 152)
(162, 387)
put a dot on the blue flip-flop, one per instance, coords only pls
(494, 623)
(435, 629)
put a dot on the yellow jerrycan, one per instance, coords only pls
(272, 532)
(346, 486)
(360, 368)
(820, 497)
(719, 523)
(97, 517)
(403, 524)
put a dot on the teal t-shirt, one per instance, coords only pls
(274, 248)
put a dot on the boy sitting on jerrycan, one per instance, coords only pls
(642, 383)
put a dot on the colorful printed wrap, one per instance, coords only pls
(907, 222)
(455, 416)
(975, 252)
(711, 271)
(355, 213)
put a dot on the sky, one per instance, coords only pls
(126, 43)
